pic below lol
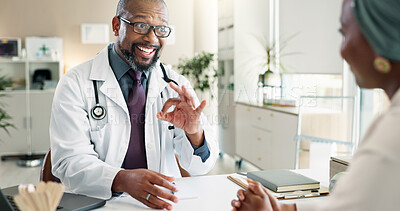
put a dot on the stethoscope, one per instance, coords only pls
(98, 112)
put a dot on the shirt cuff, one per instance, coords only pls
(117, 194)
(202, 151)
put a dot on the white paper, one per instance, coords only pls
(184, 190)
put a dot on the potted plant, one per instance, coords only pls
(270, 77)
(269, 82)
(199, 70)
(4, 117)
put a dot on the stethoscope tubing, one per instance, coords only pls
(98, 112)
(103, 111)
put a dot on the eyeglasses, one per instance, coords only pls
(145, 28)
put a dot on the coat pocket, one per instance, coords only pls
(99, 138)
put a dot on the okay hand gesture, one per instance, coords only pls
(185, 115)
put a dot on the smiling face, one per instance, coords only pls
(357, 52)
(140, 51)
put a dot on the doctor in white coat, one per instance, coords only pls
(88, 153)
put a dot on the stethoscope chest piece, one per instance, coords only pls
(98, 112)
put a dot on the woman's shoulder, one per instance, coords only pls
(384, 133)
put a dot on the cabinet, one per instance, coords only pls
(226, 113)
(30, 108)
(17, 140)
(266, 137)
(40, 113)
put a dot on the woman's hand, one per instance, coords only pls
(258, 198)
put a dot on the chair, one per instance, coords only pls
(184, 173)
(45, 172)
(46, 175)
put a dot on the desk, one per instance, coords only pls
(214, 192)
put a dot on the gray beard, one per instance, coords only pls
(134, 63)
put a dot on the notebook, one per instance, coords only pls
(283, 180)
(69, 201)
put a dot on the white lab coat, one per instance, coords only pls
(373, 175)
(87, 153)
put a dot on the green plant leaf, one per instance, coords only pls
(199, 69)
(4, 117)
(271, 51)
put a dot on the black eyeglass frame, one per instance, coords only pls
(150, 27)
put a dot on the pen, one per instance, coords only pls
(238, 182)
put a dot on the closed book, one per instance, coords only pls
(283, 180)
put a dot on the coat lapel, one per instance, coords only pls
(153, 131)
(156, 86)
(102, 71)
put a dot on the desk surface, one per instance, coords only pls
(213, 192)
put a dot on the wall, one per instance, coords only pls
(181, 16)
(316, 42)
(206, 30)
(315, 24)
(251, 19)
(206, 40)
(21, 18)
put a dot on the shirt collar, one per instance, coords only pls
(118, 65)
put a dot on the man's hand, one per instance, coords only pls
(185, 115)
(141, 182)
(258, 198)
